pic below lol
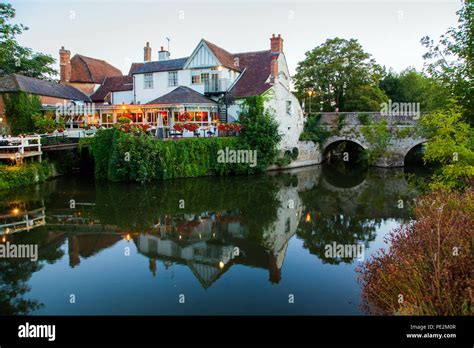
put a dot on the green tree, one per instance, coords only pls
(259, 132)
(411, 86)
(450, 61)
(451, 144)
(19, 110)
(15, 59)
(342, 75)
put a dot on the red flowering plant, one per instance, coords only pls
(229, 128)
(192, 127)
(178, 127)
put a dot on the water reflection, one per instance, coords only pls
(208, 225)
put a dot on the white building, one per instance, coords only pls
(209, 86)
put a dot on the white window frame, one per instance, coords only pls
(148, 81)
(172, 82)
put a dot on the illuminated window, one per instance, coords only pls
(195, 79)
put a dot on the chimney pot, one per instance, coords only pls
(276, 44)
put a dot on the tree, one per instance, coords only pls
(450, 61)
(342, 75)
(15, 59)
(451, 144)
(259, 132)
(411, 86)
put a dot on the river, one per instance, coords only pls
(233, 245)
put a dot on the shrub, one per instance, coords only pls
(294, 153)
(313, 131)
(341, 120)
(121, 156)
(427, 268)
(378, 135)
(46, 123)
(23, 175)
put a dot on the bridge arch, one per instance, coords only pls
(332, 143)
(412, 147)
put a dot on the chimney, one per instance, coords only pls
(274, 68)
(163, 54)
(276, 44)
(64, 65)
(147, 52)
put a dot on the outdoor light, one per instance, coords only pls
(221, 264)
(180, 237)
(123, 107)
(310, 92)
(128, 237)
(4, 239)
(219, 68)
(15, 211)
(308, 217)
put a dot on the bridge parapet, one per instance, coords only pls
(363, 118)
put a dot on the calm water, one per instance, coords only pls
(239, 245)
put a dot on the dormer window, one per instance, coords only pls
(148, 81)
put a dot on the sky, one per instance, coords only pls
(117, 30)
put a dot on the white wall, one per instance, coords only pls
(120, 97)
(160, 83)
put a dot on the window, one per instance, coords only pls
(172, 78)
(148, 81)
(195, 79)
(289, 108)
(205, 78)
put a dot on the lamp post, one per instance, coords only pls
(310, 94)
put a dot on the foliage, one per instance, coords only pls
(428, 262)
(404, 132)
(294, 153)
(346, 77)
(378, 135)
(19, 110)
(15, 59)
(46, 123)
(313, 131)
(451, 144)
(259, 132)
(363, 118)
(121, 156)
(341, 121)
(23, 175)
(450, 61)
(124, 120)
(411, 86)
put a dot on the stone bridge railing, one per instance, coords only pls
(362, 118)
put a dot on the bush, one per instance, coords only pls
(23, 175)
(294, 153)
(46, 123)
(427, 268)
(121, 156)
(313, 131)
(378, 135)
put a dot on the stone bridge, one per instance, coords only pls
(347, 127)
